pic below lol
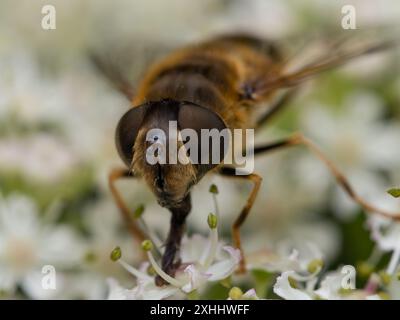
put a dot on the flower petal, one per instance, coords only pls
(330, 286)
(116, 292)
(251, 295)
(223, 269)
(283, 288)
(196, 278)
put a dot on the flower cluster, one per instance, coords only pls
(202, 260)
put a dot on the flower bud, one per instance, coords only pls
(147, 245)
(364, 269)
(235, 293)
(213, 189)
(212, 221)
(116, 254)
(394, 192)
(138, 211)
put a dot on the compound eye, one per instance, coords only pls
(197, 118)
(127, 131)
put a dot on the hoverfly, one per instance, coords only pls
(217, 84)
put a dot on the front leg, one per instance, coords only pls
(169, 261)
(256, 179)
(130, 223)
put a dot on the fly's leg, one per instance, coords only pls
(131, 224)
(256, 180)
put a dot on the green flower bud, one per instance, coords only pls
(364, 269)
(213, 189)
(394, 192)
(212, 220)
(138, 211)
(116, 254)
(235, 293)
(147, 245)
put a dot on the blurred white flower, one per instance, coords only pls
(291, 286)
(251, 294)
(264, 18)
(41, 157)
(25, 92)
(105, 225)
(27, 244)
(144, 290)
(84, 116)
(284, 289)
(103, 222)
(386, 233)
(287, 258)
(359, 142)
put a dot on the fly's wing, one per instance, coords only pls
(114, 74)
(333, 53)
(124, 65)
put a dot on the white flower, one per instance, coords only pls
(260, 16)
(203, 260)
(283, 288)
(25, 92)
(330, 288)
(358, 141)
(251, 294)
(386, 233)
(145, 289)
(27, 244)
(104, 223)
(286, 258)
(40, 156)
(198, 272)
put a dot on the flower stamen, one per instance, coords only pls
(147, 245)
(212, 223)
